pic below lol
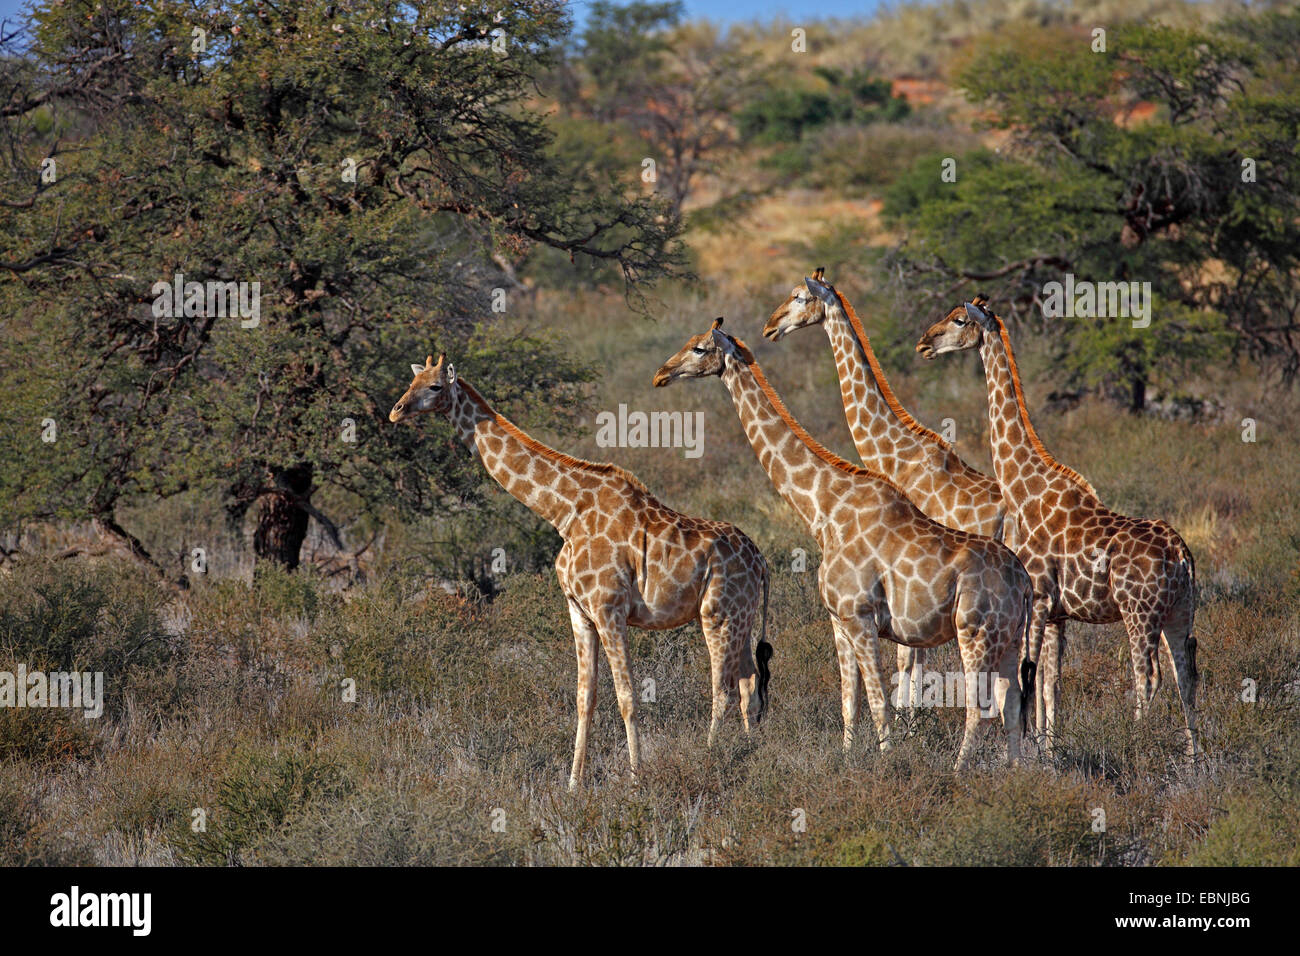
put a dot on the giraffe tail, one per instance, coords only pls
(763, 653)
(1028, 668)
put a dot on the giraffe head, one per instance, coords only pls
(962, 328)
(429, 391)
(702, 355)
(805, 306)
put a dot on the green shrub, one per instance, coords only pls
(1259, 830)
(259, 792)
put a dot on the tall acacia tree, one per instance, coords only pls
(1168, 157)
(361, 162)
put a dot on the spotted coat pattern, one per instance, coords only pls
(627, 559)
(887, 571)
(888, 439)
(1087, 563)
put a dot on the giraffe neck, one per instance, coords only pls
(796, 466)
(545, 480)
(1011, 433)
(880, 435)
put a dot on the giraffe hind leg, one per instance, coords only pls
(613, 635)
(1143, 647)
(1181, 646)
(1049, 683)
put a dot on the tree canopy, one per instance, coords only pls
(370, 171)
(1168, 157)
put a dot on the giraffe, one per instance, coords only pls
(627, 559)
(890, 440)
(887, 570)
(1088, 563)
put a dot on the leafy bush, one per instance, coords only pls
(784, 114)
(256, 795)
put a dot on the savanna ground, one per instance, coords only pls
(229, 698)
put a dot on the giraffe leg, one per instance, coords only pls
(1178, 641)
(1144, 654)
(1050, 685)
(613, 635)
(1037, 628)
(745, 670)
(584, 638)
(973, 644)
(869, 649)
(850, 683)
(970, 734)
(911, 674)
(1008, 699)
(721, 662)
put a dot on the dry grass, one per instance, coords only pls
(456, 749)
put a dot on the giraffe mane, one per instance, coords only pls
(890, 399)
(816, 447)
(1023, 411)
(559, 457)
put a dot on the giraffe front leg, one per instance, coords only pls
(584, 638)
(911, 673)
(869, 652)
(1050, 685)
(850, 685)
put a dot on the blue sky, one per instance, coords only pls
(726, 11)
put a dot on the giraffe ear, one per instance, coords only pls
(723, 339)
(821, 289)
(450, 374)
(417, 369)
(981, 315)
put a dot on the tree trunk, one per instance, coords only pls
(1139, 395)
(282, 521)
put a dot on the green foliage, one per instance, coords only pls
(854, 160)
(1255, 831)
(657, 90)
(258, 793)
(784, 115)
(358, 276)
(864, 849)
(59, 617)
(1091, 188)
